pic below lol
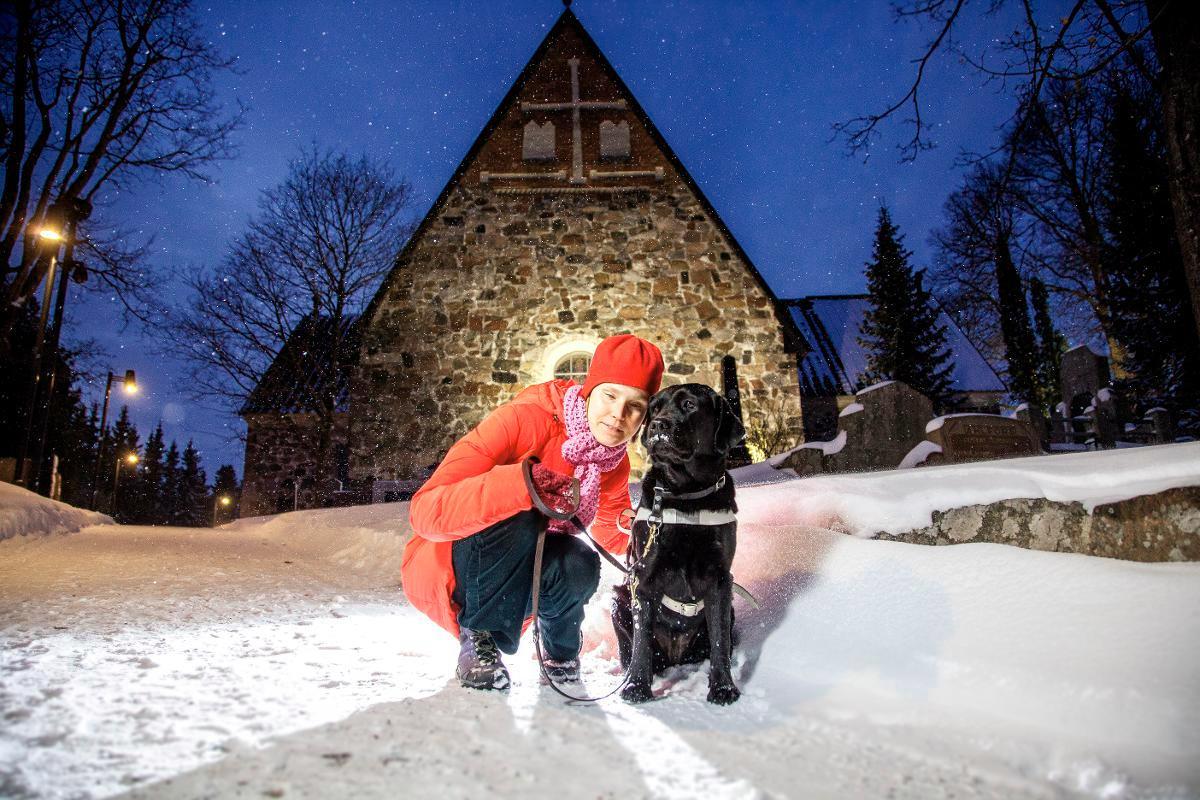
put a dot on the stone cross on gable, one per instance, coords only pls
(539, 139)
(576, 107)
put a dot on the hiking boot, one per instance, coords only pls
(562, 671)
(479, 664)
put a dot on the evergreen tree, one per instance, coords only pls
(125, 443)
(151, 508)
(226, 485)
(172, 492)
(1020, 350)
(1151, 312)
(1050, 344)
(901, 333)
(193, 484)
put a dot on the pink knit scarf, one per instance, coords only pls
(589, 457)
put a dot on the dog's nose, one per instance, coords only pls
(659, 424)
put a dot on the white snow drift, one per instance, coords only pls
(277, 656)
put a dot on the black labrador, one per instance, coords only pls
(676, 605)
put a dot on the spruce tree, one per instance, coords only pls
(1151, 312)
(901, 332)
(1020, 350)
(125, 443)
(1050, 344)
(172, 492)
(193, 485)
(225, 484)
(151, 508)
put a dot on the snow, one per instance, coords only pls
(277, 657)
(872, 388)
(852, 408)
(834, 445)
(24, 513)
(1104, 395)
(922, 450)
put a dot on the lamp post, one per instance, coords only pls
(60, 226)
(131, 387)
(131, 459)
(223, 501)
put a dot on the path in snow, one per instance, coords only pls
(276, 657)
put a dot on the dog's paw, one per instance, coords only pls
(723, 695)
(637, 693)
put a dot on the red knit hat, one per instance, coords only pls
(626, 360)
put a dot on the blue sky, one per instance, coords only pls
(745, 93)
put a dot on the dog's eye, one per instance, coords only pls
(689, 405)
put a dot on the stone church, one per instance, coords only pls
(570, 219)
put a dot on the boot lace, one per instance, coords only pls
(485, 647)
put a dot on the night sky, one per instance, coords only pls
(745, 93)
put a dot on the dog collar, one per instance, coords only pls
(660, 491)
(681, 608)
(674, 516)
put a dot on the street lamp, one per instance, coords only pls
(224, 501)
(131, 459)
(58, 228)
(130, 384)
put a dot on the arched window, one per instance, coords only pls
(573, 367)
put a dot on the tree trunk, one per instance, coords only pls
(1175, 27)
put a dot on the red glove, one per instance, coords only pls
(556, 491)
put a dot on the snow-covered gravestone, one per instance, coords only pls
(982, 437)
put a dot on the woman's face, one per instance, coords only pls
(615, 411)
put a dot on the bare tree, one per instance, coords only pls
(309, 262)
(1088, 39)
(97, 93)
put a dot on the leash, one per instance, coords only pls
(527, 473)
(656, 517)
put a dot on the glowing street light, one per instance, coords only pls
(131, 458)
(51, 234)
(224, 501)
(130, 385)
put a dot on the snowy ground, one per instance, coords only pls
(276, 657)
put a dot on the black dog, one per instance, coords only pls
(676, 606)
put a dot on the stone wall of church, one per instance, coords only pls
(281, 449)
(503, 282)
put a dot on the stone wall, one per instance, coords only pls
(503, 282)
(1157, 527)
(281, 448)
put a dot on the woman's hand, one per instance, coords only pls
(555, 490)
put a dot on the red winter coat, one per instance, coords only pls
(479, 483)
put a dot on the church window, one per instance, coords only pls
(729, 384)
(407, 360)
(614, 140)
(573, 367)
(538, 143)
(684, 278)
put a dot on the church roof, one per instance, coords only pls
(835, 360)
(295, 382)
(568, 25)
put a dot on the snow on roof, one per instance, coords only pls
(832, 325)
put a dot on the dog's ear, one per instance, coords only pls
(729, 430)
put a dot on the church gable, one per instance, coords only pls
(569, 220)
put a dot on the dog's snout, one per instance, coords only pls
(659, 424)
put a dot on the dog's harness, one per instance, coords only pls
(657, 516)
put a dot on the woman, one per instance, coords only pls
(469, 564)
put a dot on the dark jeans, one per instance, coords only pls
(493, 572)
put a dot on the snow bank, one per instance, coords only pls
(24, 513)
(366, 540)
(901, 500)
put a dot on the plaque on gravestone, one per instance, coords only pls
(982, 437)
(538, 142)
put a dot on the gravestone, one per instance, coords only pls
(875, 432)
(982, 437)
